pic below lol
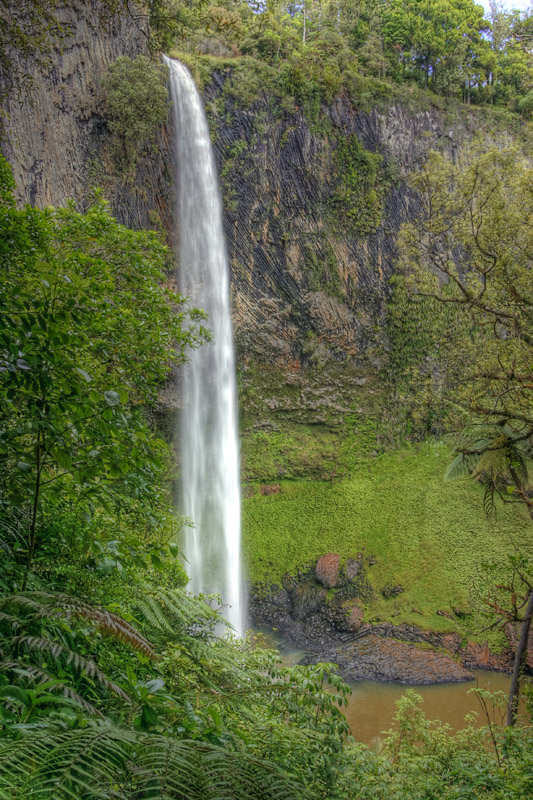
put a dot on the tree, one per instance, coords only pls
(87, 336)
(471, 250)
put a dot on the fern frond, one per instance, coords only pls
(489, 502)
(170, 612)
(39, 676)
(460, 467)
(14, 621)
(110, 762)
(47, 604)
(59, 651)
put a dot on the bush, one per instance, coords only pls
(136, 105)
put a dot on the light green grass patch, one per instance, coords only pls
(428, 535)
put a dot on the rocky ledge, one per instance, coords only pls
(320, 610)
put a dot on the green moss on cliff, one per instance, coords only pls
(358, 199)
(427, 535)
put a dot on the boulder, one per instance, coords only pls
(280, 599)
(307, 599)
(354, 615)
(270, 488)
(327, 570)
(352, 568)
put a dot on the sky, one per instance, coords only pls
(523, 5)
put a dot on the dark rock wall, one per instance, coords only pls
(305, 288)
(56, 136)
(306, 291)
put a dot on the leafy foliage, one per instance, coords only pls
(136, 105)
(470, 251)
(106, 761)
(84, 314)
(447, 47)
(359, 192)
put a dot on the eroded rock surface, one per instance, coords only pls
(380, 659)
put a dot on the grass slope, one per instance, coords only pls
(428, 535)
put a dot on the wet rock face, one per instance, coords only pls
(306, 287)
(307, 600)
(327, 570)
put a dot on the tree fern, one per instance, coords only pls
(29, 639)
(497, 456)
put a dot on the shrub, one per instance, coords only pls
(136, 105)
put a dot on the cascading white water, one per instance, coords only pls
(210, 486)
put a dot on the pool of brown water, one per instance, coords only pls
(372, 705)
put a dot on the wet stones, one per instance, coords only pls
(386, 659)
(307, 599)
(354, 615)
(391, 590)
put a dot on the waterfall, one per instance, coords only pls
(210, 484)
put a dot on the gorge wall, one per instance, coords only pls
(56, 136)
(313, 202)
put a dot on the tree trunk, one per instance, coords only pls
(520, 657)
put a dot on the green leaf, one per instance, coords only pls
(156, 561)
(112, 398)
(85, 375)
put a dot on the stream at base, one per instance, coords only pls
(372, 705)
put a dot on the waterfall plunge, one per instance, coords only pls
(209, 448)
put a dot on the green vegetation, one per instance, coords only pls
(448, 48)
(83, 309)
(470, 250)
(422, 759)
(112, 680)
(427, 535)
(136, 104)
(359, 195)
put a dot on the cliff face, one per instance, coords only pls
(313, 203)
(308, 286)
(56, 137)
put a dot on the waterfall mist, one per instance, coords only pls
(209, 458)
